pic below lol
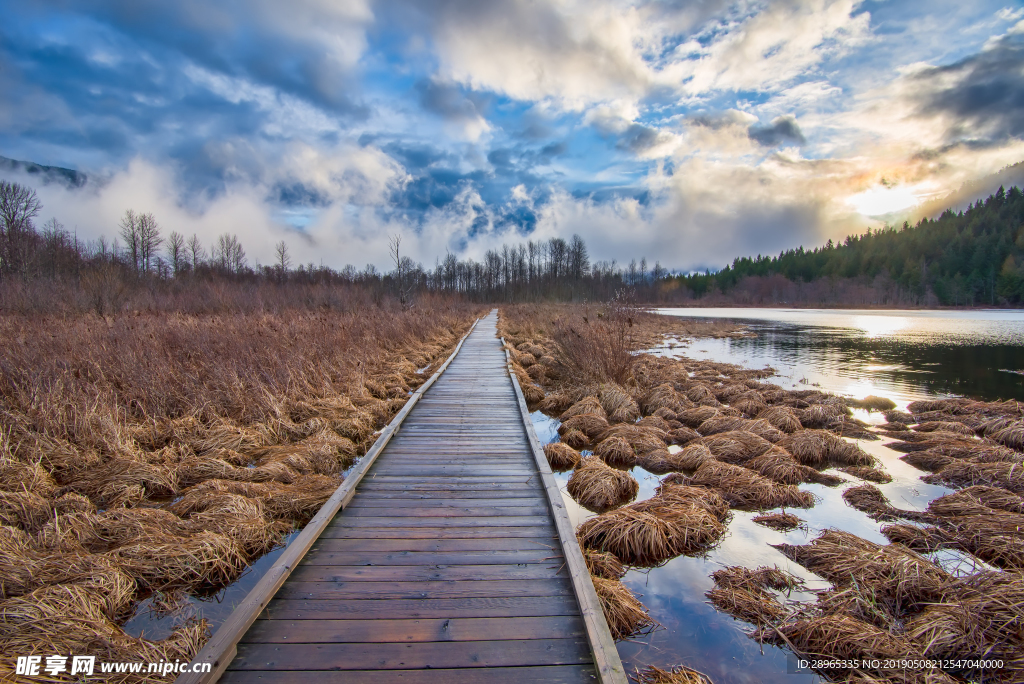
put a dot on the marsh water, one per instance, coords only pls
(902, 355)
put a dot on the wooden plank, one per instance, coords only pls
(559, 674)
(371, 496)
(425, 589)
(370, 501)
(377, 558)
(547, 532)
(388, 656)
(412, 631)
(444, 511)
(220, 649)
(496, 521)
(436, 545)
(407, 609)
(414, 573)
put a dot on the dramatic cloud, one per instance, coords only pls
(690, 131)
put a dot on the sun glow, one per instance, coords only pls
(884, 200)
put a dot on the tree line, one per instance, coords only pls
(964, 258)
(554, 269)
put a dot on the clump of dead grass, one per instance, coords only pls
(782, 522)
(679, 520)
(599, 487)
(680, 674)
(561, 457)
(746, 489)
(605, 565)
(625, 615)
(868, 473)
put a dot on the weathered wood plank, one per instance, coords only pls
(425, 589)
(412, 631)
(413, 573)
(559, 674)
(390, 656)
(377, 558)
(408, 609)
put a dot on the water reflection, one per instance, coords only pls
(913, 354)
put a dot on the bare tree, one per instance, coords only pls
(196, 253)
(228, 253)
(176, 251)
(400, 266)
(130, 233)
(284, 261)
(18, 206)
(149, 240)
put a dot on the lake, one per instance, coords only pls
(902, 355)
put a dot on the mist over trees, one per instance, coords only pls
(969, 258)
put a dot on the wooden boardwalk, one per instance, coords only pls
(452, 561)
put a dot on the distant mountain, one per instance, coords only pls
(46, 174)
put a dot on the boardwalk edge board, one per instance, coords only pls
(222, 647)
(606, 654)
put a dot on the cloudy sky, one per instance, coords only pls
(689, 131)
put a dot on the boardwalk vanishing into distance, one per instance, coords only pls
(446, 557)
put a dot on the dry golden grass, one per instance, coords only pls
(680, 674)
(601, 564)
(576, 439)
(820, 447)
(679, 520)
(747, 490)
(586, 405)
(899, 578)
(590, 424)
(872, 403)
(616, 452)
(781, 417)
(783, 522)
(736, 446)
(626, 616)
(868, 473)
(561, 457)
(1009, 476)
(599, 487)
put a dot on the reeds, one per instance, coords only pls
(899, 577)
(736, 446)
(779, 466)
(599, 487)
(782, 522)
(744, 594)
(616, 452)
(561, 457)
(590, 424)
(680, 674)
(625, 615)
(1009, 476)
(868, 473)
(589, 405)
(746, 489)
(677, 521)
(872, 403)
(820, 447)
(604, 565)
(641, 439)
(781, 417)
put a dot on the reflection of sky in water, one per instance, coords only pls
(904, 356)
